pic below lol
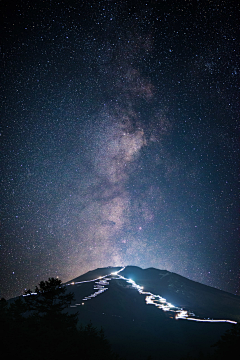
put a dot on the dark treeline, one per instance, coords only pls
(227, 347)
(37, 325)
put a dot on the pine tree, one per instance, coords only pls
(49, 302)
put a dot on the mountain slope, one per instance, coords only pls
(203, 300)
(137, 330)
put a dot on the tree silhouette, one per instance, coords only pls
(226, 348)
(39, 324)
(48, 303)
(229, 344)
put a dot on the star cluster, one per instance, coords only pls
(119, 139)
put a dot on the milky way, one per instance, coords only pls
(119, 140)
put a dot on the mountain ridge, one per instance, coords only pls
(204, 300)
(87, 276)
(113, 297)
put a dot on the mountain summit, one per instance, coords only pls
(150, 311)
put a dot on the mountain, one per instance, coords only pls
(153, 312)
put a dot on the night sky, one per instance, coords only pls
(119, 139)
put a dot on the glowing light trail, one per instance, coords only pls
(165, 306)
(151, 299)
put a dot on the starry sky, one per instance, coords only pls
(119, 139)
